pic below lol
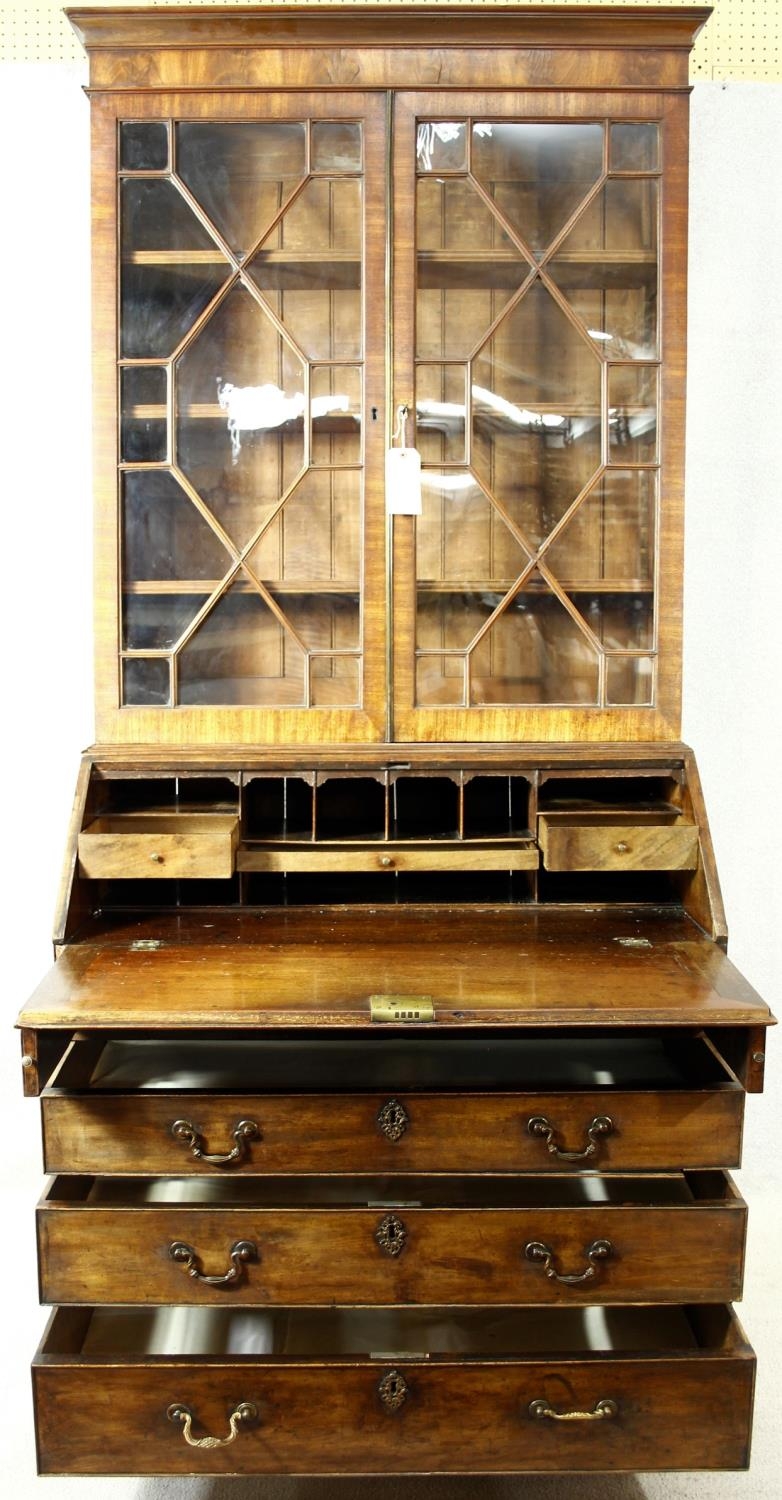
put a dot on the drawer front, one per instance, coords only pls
(312, 1133)
(386, 1256)
(170, 847)
(630, 846)
(690, 1412)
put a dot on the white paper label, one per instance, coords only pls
(403, 482)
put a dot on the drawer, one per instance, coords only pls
(614, 841)
(468, 1241)
(367, 1391)
(162, 846)
(460, 1104)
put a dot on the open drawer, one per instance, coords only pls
(381, 1241)
(392, 1391)
(615, 839)
(519, 1102)
(159, 845)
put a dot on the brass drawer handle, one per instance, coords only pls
(393, 1120)
(240, 1253)
(393, 1390)
(541, 1254)
(601, 1126)
(246, 1411)
(601, 1411)
(246, 1130)
(391, 1235)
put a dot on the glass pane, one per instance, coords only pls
(151, 622)
(336, 403)
(336, 146)
(534, 653)
(143, 437)
(439, 680)
(461, 538)
(309, 269)
(611, 537)
(323, 621)
(241, 655)
(449, 620)
(441, 146)
(317, 534)
(143, 146)
(537, 173)
(632, 414)
(241, 174)
(634, 148)
(629, 679)
(171, 268)
(467, 268)
(240, 415)
(607, 267)
(146, 682)
(334, 681)
(536, 413)
(621, 622)
(440, 407)
(163, 534)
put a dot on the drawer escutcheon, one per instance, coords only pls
(393, 1120)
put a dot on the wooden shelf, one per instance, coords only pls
(491, 269)
(207, 586)
(501, 586)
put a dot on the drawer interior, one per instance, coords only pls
(526, 1062)
(386, 1333)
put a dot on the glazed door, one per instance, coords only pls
(248, 358)
(532, 344)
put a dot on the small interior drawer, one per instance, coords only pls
(619, 840)
(395, 1391)
(159, 845)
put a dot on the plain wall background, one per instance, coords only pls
(732, 658)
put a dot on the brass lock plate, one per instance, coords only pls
(401, 1007)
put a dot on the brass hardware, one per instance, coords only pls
(757, 1057)
(240, 1253)
(386, 861)
(601, 1125)
(246, 1411)
(541, 1254)
(27, 1060)
(393, 1390)
(401, 1008)
(621, 847)
(157, 859)
(391, 1235)
(600, 1412)
(246, 1130)
(393, 1120)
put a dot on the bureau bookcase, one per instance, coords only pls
(392, 1065)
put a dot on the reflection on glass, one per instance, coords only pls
(534, 653)
(336, 402)
(467, 268)
(143, 431)
(439, 681)
(336, 146)
(240, 415)
(143, 146)
(629, 680)
(440, 411)
(146, 683)
(323, 621)
(536, 413)
(171, 268)
(334, 682)
(611, 536)
(309, 269)
(450, 621)
(634, 147)
(537, 173)
(241, 655)
(441, 146)
(619, 621)
(317, 534)
(607, 267)
(632, 414)
(460, 536)
(241, 174)
(151, 622)
(164, 537)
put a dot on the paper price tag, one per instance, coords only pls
(403, 482)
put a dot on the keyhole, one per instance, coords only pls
(374, 413)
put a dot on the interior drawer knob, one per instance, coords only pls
(240, 1254)
(601, 1411)
(598, 1128)
(621, 847)
(393, 1120)
(157, 859)
(541, 1254)
(391, 1235)
(246, 1130)
(245, 1412)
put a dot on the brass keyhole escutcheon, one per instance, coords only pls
(393, 1120)
(391, 1235)
(393, 1390)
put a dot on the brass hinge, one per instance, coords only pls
(401, 1007)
